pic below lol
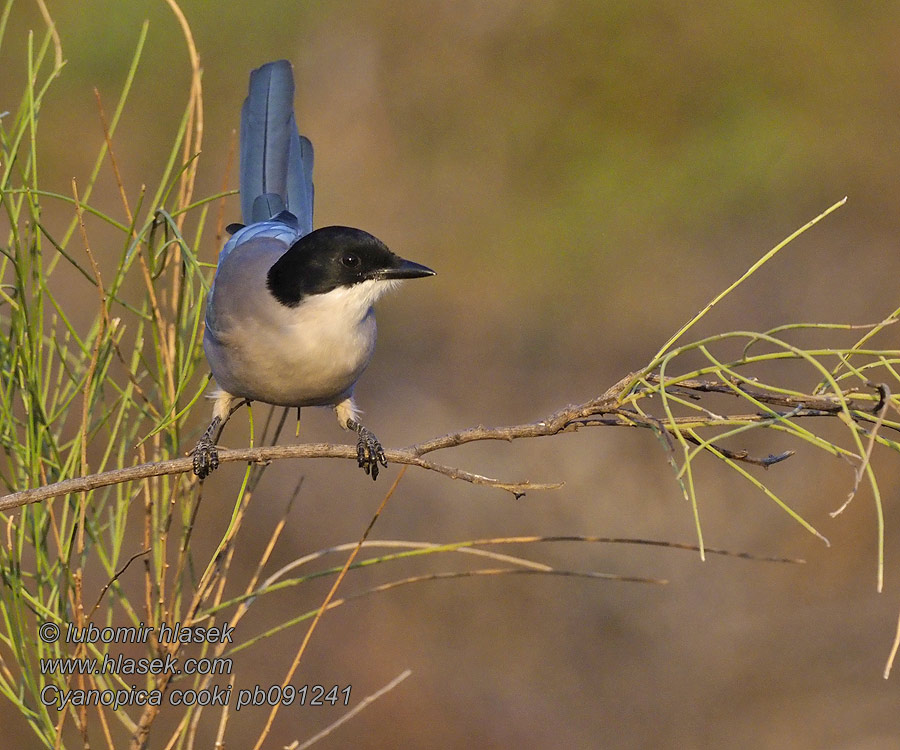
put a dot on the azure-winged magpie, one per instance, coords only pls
(289, 318)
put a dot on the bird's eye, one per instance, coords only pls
(350, 260)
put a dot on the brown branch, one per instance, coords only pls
(601, 411)
(412, 456)
(743, 455)
(807, 404)
(255, 455)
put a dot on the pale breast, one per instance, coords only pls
(261, 350)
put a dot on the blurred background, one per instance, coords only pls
(584, 176)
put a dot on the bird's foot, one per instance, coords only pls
(205, 453)
(369, 452)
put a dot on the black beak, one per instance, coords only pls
(404, 269)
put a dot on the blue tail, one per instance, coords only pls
(276, 161)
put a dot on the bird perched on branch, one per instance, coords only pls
(290, 318)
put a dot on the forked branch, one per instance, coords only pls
(604, 411)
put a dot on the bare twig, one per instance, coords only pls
(324, 607)
(115, 578)
(893, 654)
(261, 454)
(884, 395)
(351, 713)
(601, 411)
(809, 405)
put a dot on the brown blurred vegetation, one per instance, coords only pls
(584, 176)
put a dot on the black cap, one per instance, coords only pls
(332, 257)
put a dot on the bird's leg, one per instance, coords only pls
(369, 452)
(205, 453)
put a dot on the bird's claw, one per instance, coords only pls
(205, 453)
(369, 452)
(206, 458)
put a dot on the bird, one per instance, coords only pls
(290, 315)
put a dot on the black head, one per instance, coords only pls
(333, 257)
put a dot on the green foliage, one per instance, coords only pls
(75, 400)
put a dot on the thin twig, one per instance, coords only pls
(324, 607)
(369, 699)
(881, 410)
(600, 411)
(893, 653)
(261, 454)
(115, 578)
